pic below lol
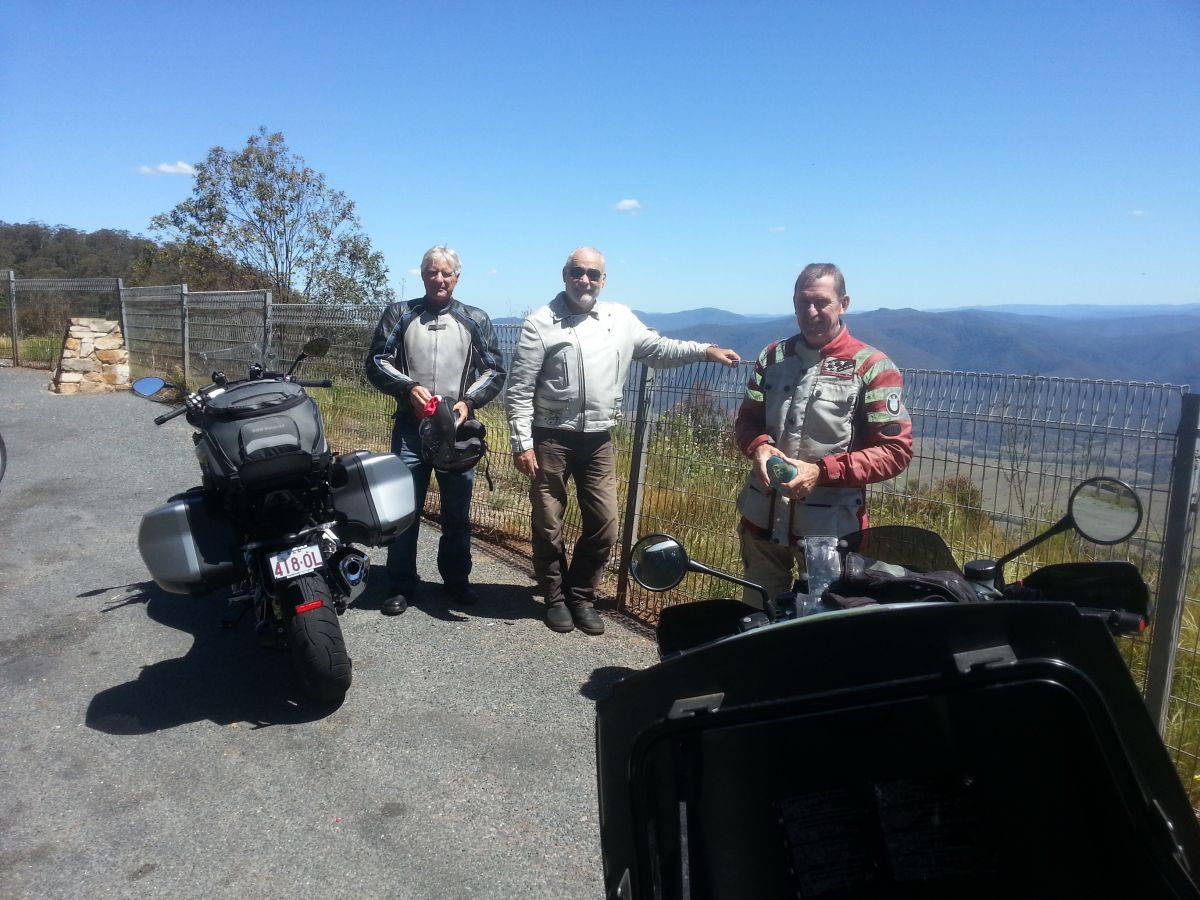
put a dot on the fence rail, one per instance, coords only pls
(995, 458)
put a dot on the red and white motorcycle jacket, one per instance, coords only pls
(840, 407)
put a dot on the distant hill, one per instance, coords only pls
(1159, 343)
(1161, 346)
(1086, 310)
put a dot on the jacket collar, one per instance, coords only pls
(421, 304)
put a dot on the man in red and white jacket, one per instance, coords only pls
(831, 406)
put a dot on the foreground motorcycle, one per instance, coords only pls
(275, 516)
(911, 731)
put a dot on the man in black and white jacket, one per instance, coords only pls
(434, 345)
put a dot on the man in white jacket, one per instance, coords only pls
(568, 374)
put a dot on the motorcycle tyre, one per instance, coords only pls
(317, 647)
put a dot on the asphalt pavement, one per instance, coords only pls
(145, 751)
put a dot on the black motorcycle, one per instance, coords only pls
(911, 731)
(276, 515)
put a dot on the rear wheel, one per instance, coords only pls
(315, 638)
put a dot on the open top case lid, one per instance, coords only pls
(933, 751)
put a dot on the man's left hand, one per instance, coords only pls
(807, 476)
(722, 355)
(461, 412)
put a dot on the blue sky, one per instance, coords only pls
(943, 153)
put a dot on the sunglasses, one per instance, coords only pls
(580, 271)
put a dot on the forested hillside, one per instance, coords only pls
(35, 250)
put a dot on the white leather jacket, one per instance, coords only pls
(569, 368)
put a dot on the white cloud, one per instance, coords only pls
(1138, 213)
(493, 271)
(414, 272)
(629, 205)
(175, 168)
(776, 229)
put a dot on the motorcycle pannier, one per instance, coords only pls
(187, 550)
(935, 751)
(264, 432)
(373, 493)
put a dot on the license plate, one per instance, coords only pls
(297, 561)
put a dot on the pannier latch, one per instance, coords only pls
(690, 706)
(988, 657)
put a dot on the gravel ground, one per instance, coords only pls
(146, 752)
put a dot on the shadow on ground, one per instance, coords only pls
(225, 677)
(508, 602)
(600, 683)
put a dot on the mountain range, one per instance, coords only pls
(1151, 343)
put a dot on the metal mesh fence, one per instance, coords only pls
(226, 332)
(154, 331)
(7, 316)
(39, 308)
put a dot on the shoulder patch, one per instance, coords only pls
(837, 367)
(893, 402)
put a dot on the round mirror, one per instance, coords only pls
(148, 387)
(658, 562)
(317, 347)
(1105, 510)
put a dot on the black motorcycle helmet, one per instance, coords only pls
(451, 449)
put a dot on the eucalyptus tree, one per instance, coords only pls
(267, 211)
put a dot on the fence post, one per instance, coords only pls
(266, 338)
(12, 315)
(121, 311)
(1177, 548)
(184, 337)
(636, 482)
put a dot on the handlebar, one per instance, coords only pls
(167, 417)
(325, 383)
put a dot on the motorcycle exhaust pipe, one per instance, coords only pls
(352, 570)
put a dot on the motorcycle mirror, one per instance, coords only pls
(1105, 510)
(658, 562)
(318, 346)
(148, 386)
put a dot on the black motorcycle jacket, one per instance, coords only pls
(451, 352)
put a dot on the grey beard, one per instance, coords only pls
(584, 304)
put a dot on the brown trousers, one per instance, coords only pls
(587, 459)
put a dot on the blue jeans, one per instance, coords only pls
(454, 548)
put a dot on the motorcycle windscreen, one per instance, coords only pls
(913, 548)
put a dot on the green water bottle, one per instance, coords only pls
(779, 471)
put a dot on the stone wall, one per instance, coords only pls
(94, 359)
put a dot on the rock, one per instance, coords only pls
(79, 365)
